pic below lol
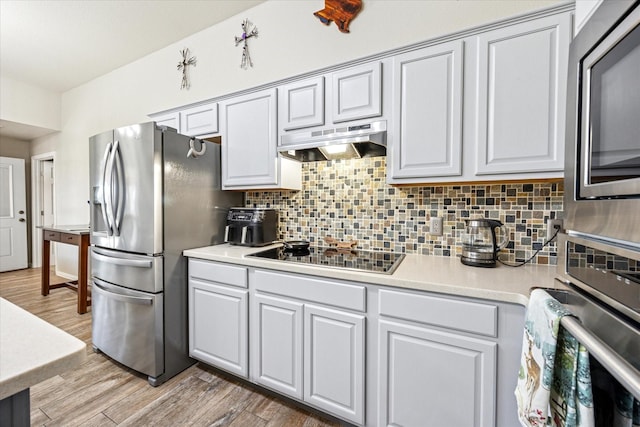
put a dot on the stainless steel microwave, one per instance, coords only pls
(602, 173)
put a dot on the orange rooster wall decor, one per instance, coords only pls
(341, 12)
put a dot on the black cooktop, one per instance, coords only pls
(352, 259)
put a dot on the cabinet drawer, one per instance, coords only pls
(467, 316)
(338, 294)
(73, 239)
(216, 272)
(54, 236)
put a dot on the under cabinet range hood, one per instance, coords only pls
(348, 142)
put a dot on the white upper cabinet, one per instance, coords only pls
(357, 93)
(521, 96)
(171, 119)
(486, 107)
(302, 104)
(329, 100)
(198, 120)
(427, 112)
(249, 139)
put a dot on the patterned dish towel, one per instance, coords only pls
(554, 382)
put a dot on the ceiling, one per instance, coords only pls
(60, 44)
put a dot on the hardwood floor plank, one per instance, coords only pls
(38, 418)
(88, 401)
(104, 393)
(226, 410)
(248, 419)
(139, 400)
(98, 420)
(176, 407)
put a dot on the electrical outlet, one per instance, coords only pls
(552, 226)
(435, 226)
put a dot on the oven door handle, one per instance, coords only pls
(627, 375)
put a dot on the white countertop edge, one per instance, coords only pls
(32, 350)
(416, 272)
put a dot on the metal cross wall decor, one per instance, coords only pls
(247, 33)
(182, 66)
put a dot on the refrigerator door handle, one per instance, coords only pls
(120, 261)
(119, 187)
(103, 184)
(109, 190)
(123, 298)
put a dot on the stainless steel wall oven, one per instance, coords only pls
(600, 250)
(602, 173)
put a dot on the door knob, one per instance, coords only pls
(21, 212)
(21, 220)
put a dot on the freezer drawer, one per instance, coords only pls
(138, 272)
(127, 326)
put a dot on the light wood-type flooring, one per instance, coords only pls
(102, 392)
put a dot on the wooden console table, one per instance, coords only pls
(72, 235)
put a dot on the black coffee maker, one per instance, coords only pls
(479, 243)
(251, 226)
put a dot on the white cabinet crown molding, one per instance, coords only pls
(467, 32)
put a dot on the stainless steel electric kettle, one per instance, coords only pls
(479, 243)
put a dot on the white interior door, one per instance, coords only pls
(42, 203)
(47, 193)
(13, 213)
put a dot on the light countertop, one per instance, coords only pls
(32, 350)
(72, 229)
(419, 272)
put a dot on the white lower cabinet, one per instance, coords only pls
(312, 352)
(438, 360)
(334, 361)
(218, 316)
(369, 355)
(320, 363)
(276, 337)
(435, 378)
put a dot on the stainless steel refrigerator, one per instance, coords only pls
(154, 193)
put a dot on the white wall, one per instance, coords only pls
(291, 41)
(584, 10)
(30, 105)
(44, 144)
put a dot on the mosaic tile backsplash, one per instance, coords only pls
(350, 200)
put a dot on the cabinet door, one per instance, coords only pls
(218, 326)
(357, 93)
(200, 120)
(430, 377)
(171, 120)
(276, 339)
(334, 362)
(427, 104)
(521, 86)
(249, 152)
(302, 104)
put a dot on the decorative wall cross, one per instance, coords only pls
(182, 66)
(247, 33)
